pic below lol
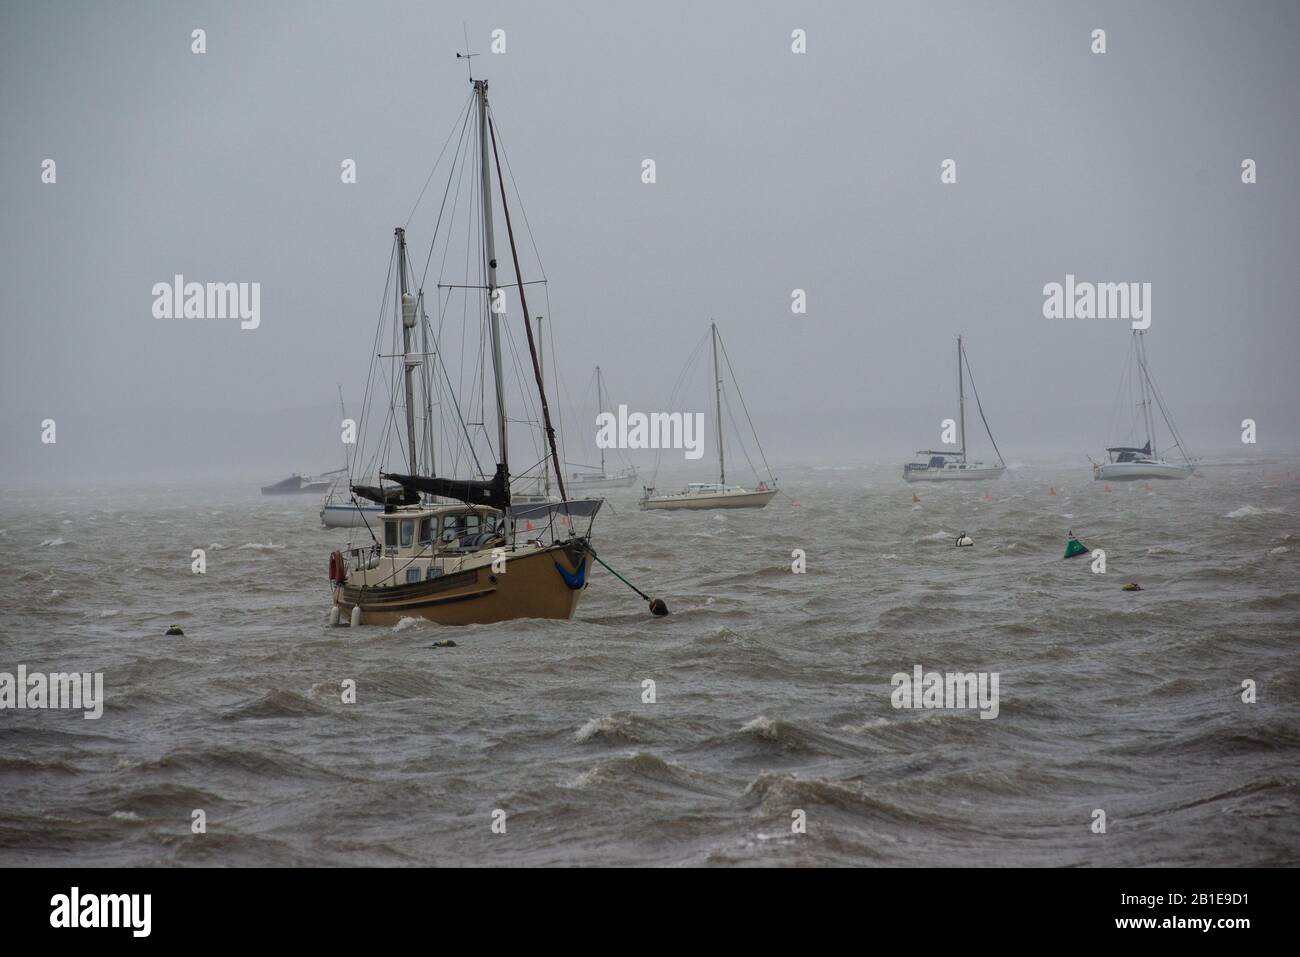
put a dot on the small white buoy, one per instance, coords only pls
(356, 616)
(964, 541)
(334, 614)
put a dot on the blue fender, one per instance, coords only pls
(577, 579)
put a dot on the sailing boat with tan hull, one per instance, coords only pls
(719, 494)
(474, 561)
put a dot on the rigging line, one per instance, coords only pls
(537, 369)
(433, 241)
(464, 428)
(454, 452)
(530, 410)
(970, 375)
(520, 200)
(580, 409)
(379, 328)
(1160, 400)
(741, 396)
(550, 332)
(429, 178)
(673, 395)
(726, 401)
(452, 396)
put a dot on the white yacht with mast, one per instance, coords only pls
(600, 477)
(947, 466)
(1129, 463)
(719, 494)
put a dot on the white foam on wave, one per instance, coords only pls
(1244, 511)
(605, 724)
(262, 547)
(763, 726)
(406, 624)
(53, 541)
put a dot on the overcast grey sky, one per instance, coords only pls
(775, 171)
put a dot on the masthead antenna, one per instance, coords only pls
(467, 56)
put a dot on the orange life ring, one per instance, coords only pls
(338, 568)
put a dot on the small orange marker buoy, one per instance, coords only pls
(530, 526)
(1052, 490)
(988, 497)
(1148, 486)
(914, 498)
(1107, 488)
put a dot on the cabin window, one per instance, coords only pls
(433, 572)
(450, 527)
(426, 531)
(390, 534)
(412, 575)
(408, 531)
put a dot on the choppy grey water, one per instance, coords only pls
(773, 689)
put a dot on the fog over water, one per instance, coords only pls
(775, 172)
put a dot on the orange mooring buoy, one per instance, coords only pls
(914, 498)
(1148, 486)
(1052, 490)
(1107, 488)
(988, 497)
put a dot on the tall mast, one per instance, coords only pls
(489, 252)
(546, 466)
(961, 400)
(528, 326)
(717, 401)
(600, 407)
(343, 411)
(1146, 397)
(425, 382)
(406, 309)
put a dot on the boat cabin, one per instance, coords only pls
(420, 530)
(1130, 454)
(693, 488)
(938, 460)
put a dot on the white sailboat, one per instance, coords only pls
(340, 508)
(719, 494)
(1130, 463)
(945, 466)
(600, 477)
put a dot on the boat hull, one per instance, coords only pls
(970, 474)
(349, 516)
(576, 483)
(1139, 471)
(530, 587)
(709, 500)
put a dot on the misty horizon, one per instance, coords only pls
(775, 172)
